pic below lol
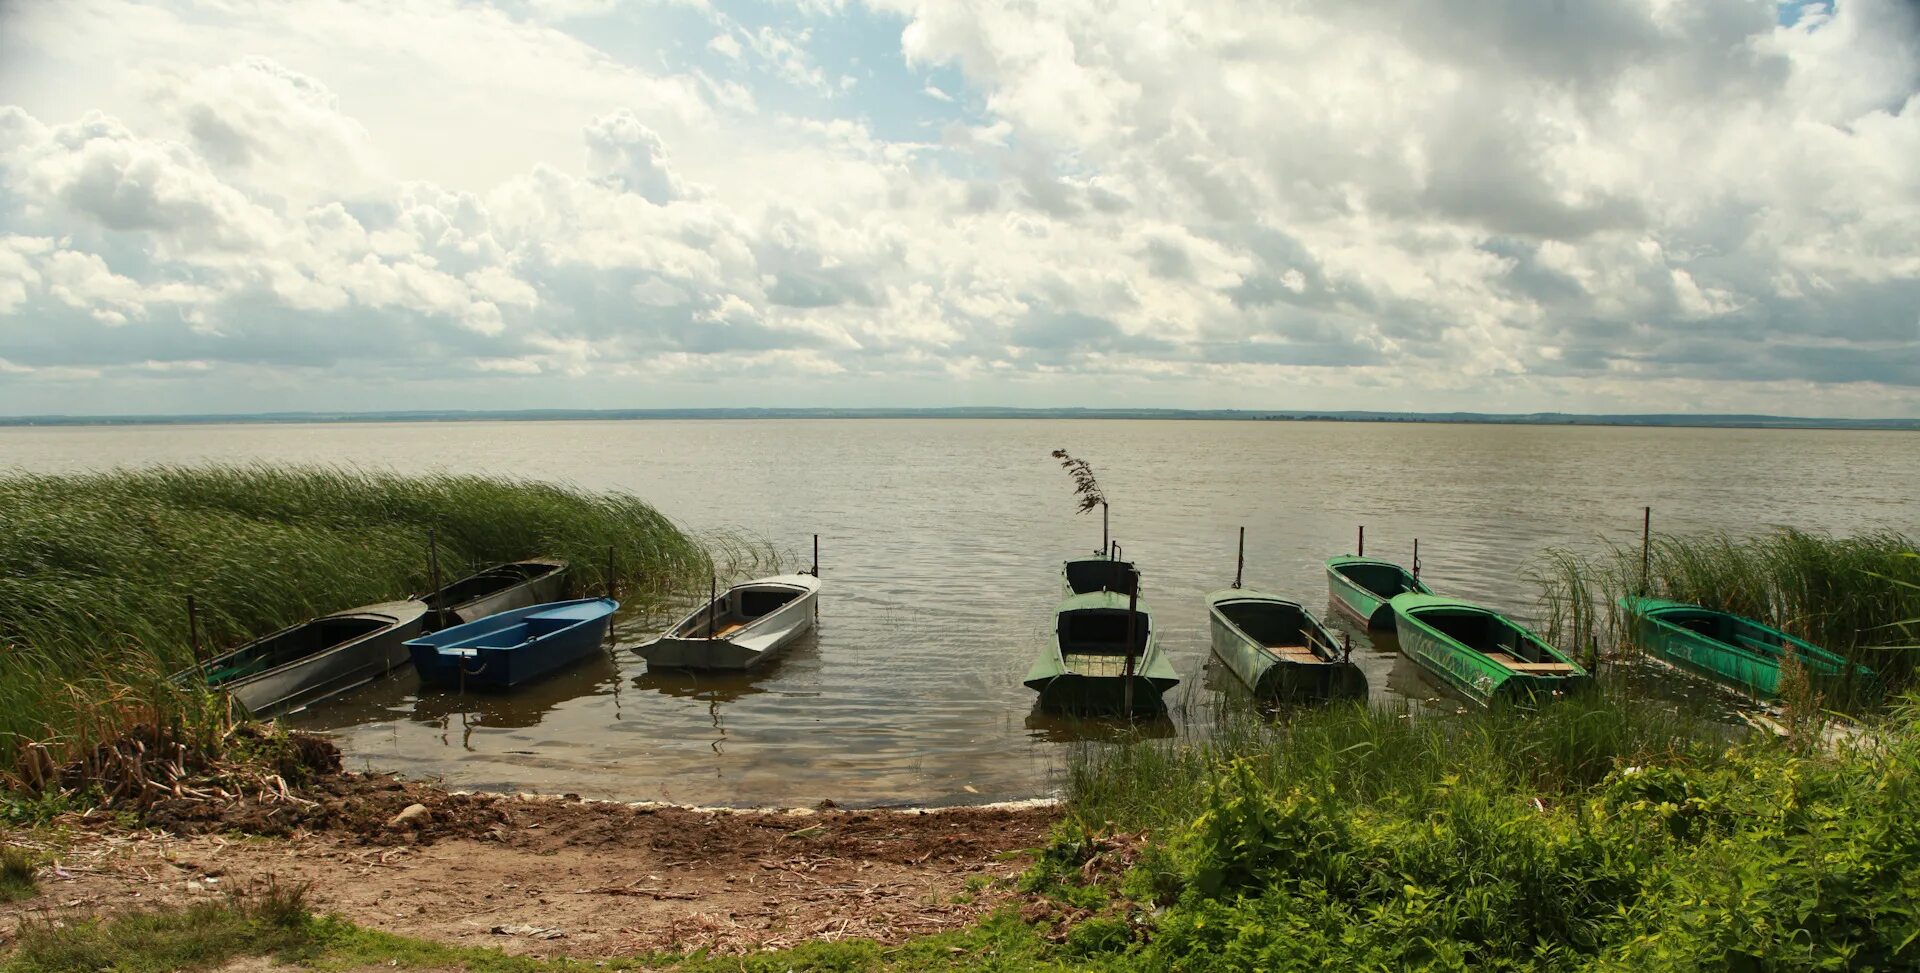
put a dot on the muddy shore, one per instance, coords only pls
(551, 875)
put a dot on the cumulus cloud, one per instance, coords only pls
(1492, 204)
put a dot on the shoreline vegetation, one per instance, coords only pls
(1655, 420)
(98, 568)
(1612, 830)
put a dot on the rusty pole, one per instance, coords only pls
(1241, 567)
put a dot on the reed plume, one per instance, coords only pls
(1085, 486)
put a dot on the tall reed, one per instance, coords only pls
(95, 569)
(1853, 595)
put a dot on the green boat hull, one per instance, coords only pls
(1461, 644)
(1083, 668)
(1252, 633)
(1363, 587)
(1737, 652)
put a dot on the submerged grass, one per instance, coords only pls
(1858, 596)
(95, 570)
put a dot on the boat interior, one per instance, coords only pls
(487, 582)
(1283, 629)
(1385, 580)
(291, 645)
(1497, 639)
(1727, 630)
(1101, 574)
(735, 610)
(1093, 642)
(537, 625)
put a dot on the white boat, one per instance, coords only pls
(741, 628)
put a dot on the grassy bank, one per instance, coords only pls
(1858, 596)
(95, 570)
(1600, 834)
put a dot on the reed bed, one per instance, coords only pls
(1858, 596)
(96, 569)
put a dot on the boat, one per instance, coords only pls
(1363, 587)
(513, 647)
(1480, 653)
(1100, 572)
(741, 628)
(308, 662)
(1278, 648)
(502, 587)
(1737, 652)
(1084, 667)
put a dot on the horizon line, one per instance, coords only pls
(323, 417)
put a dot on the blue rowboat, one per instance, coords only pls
(513, 647)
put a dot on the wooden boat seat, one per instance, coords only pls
(729, 630)
(1297, 654)
(1508, 660)
(1099, 664)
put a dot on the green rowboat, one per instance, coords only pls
(1084, 667)
(1480, 653)
(1362, 587)
(1278, 648)
(1737, 652)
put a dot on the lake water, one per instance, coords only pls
(940, 549)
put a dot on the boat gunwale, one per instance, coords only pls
(375, 610)
(803, 586)
(1654, 610)
(553, 565)
(425, 641)
(1410, 606)
(1220, 599)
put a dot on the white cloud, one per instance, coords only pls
(1226, 203)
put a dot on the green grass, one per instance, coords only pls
(1384, 754)
(95, 570)
(1596, 834)
(16, 874)
(208, 935)
(1858, 596)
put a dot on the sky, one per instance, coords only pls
(1486, 205)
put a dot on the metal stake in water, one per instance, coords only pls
(1133, 618)
(612, 587)
(1646, 548)
(433, 572)
(1416, 559)
(1360, 546)
(1241, 567)
(713, 605)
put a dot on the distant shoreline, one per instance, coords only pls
(1670, 420)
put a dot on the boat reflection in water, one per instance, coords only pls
(1043, 724)
(403, 698)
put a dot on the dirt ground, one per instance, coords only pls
(556, 875)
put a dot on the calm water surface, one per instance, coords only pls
(941, 543)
